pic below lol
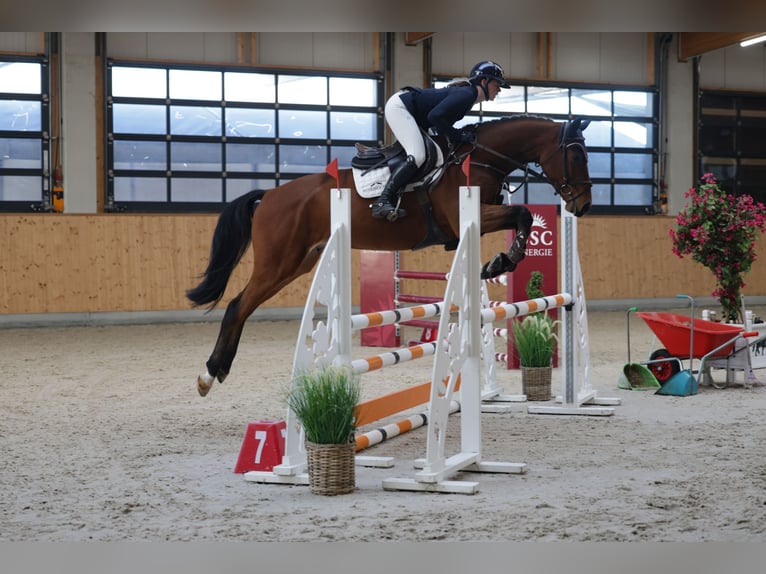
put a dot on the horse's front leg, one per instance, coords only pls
(499, 217)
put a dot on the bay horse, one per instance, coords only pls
(288, 226)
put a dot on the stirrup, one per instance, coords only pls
(381, 210)
(387, 211)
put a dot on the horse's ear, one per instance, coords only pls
(572, 128)
(576, 125)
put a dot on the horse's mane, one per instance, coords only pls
(504, 119)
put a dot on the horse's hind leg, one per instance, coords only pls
(515, 217)
(219, 363)
(261, 287)
(220, 360)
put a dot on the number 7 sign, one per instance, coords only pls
(263, 446)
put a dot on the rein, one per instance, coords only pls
(515, 163)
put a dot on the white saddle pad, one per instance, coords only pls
(370, 184)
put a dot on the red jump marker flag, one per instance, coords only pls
(332, 169)
(466, 167)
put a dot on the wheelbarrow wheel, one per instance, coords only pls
(663, 370)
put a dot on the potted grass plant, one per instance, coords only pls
(535, 340)
(324, 401)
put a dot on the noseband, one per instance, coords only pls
(568, 185)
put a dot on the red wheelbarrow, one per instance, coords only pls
(686, 337)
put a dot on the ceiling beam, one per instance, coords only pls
(691, 44)
(413, 38)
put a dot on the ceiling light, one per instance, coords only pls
(751, 41)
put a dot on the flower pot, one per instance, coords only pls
(331, 467)
(536, 383)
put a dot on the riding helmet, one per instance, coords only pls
(490, 70)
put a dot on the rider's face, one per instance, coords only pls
(493, 87)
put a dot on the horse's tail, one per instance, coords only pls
(230, 241)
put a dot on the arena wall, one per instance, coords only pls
(125, 262)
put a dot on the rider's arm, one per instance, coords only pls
(451, 109)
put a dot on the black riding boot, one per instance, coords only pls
(384, 206)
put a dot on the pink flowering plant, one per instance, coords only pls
(719, 231)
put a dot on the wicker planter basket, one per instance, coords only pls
(536, 383)
(331, 468)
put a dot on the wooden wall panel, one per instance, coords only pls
(96, 263)
(631, 258)
(626, 257)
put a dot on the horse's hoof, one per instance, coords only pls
(204, 384)
(498, 265)
(490, 274)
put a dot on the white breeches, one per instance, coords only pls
(405, 128)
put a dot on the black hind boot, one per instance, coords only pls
(384, 207)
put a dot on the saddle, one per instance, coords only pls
(372, 166)
(366, 155)
(371, 158)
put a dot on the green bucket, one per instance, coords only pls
(636, 377)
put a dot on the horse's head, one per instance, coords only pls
(567, 168)
(558, 148)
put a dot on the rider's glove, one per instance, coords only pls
(468, 137)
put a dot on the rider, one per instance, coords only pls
(411, 109)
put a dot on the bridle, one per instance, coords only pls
(567, 187)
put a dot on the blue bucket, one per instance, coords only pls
(682, 384)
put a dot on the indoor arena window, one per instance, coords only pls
(194, 138)
(731, 141)
(24, 135)
(622, 140)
